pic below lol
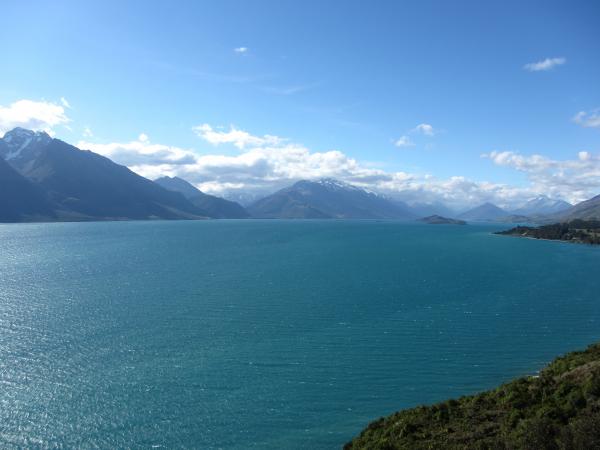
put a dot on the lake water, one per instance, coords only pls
(269, 334)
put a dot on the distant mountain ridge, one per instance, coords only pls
(326, 199)
(541, 205)
(212, 206)
(487, 212)
(42, 178)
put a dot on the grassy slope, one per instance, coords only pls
(560, 409)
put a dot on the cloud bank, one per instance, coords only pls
(34, 115)
(574, 180)
(267, 163)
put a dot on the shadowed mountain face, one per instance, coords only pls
(85, 185)
(211, 206)
(325, 199)
(487, 212)
(20, 199)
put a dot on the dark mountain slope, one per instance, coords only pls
(586, 210)
(93, 185)
(20, 199)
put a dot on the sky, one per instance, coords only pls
(460, 102)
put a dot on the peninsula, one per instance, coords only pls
(576, 231)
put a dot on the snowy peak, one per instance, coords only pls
(332, 183)
(18, 140)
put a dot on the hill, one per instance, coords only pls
(439, 220)
(326, 199)
(560, 409)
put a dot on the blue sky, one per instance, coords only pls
(356, 77)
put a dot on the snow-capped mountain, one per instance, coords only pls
(328, 198)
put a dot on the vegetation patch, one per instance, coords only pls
(559, 409)
(577, 231)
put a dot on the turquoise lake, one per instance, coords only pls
(269, 334)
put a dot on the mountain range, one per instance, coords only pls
(46, 179)
(62, 182)
(540, 208)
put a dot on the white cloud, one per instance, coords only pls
(141, 153)
(241, 139)
(65, 103)
(267, 163)
(573, 180)
(404, 141)
(425, 129)
(241, 50)
(588, 119)
(34, 115)
(87, 132)
(545, 64)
